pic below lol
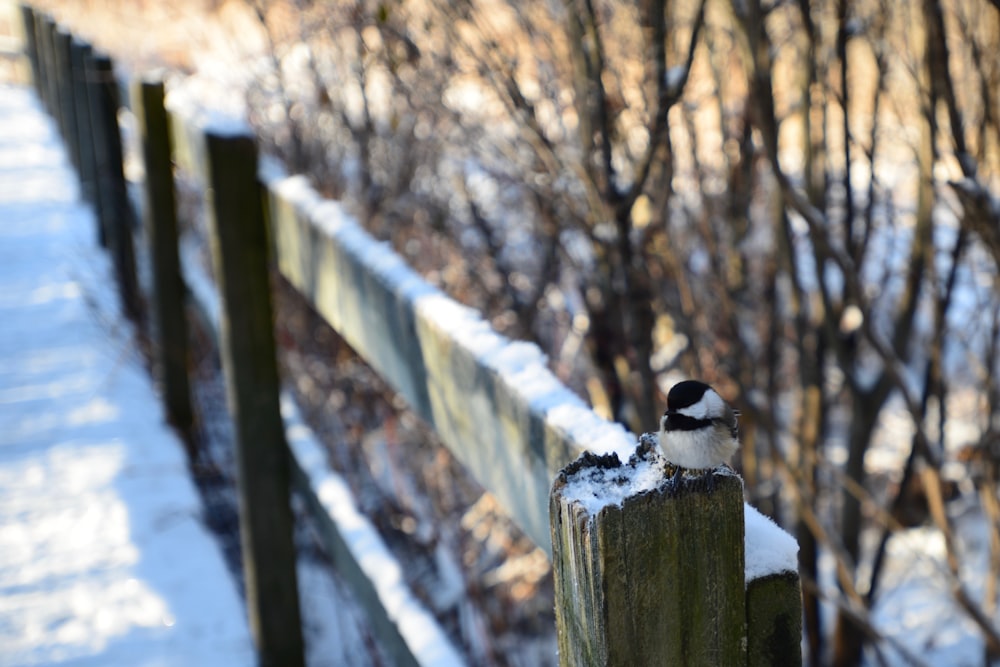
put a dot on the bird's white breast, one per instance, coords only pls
(698, 449)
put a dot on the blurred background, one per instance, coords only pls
(797, 202)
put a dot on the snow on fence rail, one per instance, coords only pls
(492, 401)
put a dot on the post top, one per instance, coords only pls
(769, 549)
(597, 481)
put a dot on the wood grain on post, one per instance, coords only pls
(114, 207)
(240, 250)
(657, 579)
(171, 350)
(774, 621)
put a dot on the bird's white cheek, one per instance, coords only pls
(710, 405)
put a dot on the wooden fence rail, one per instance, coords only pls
(493, 402)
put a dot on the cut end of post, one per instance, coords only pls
(596, 481)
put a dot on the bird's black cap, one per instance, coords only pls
(685, 394)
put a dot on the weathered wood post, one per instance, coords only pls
(79, 52)
(38, 21)
(31, 44)
(169, 320)
(648, 567)
(113, 196)
(240, 249)
(774, 621)
(67, 95)
(43, 65)
(46, 26)
(56, 78)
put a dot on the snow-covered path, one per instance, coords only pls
(104, 558)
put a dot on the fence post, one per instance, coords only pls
(240, 249)
(46, 26)
(654, 577)
(67, 94)
(774, 621)
(43, 62)
(31, 44)
(114, 208)
(171, 349)
(57, 79)
(79, 52)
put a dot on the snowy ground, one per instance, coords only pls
(104, 558)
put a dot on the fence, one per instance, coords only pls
(492, 402)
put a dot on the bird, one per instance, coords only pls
(699, 428)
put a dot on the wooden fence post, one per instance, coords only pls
(654, 577)
(171, 349)
(59, 101)
(113, 196)
(31, 44)
(38, 18)
(774, 621)
(41, 22)
(46, 27)
(67, 94)
(79, 52)
(240, 249)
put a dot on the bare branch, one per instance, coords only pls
(669, 94)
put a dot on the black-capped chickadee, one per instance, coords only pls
(699, 429)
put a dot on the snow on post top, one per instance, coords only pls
(597, 481)
(769, 549)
